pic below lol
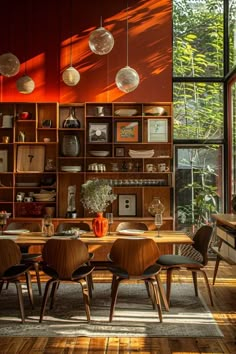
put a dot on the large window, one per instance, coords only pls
(232, 33)
(199, 118)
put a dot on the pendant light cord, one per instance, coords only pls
(127, 34)
(71, 29)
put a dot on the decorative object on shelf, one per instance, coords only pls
(158, 130)
(25, 84)
(99, 153)
(101, 41)
(127, 79)
(150, 167)
(154, 111)
(141, 154)
(3, 160)
(9, 64)
(6, 121)
(50, 165)
(71, 206)
(71, 121)
(6, 139)
(156, 206)
(100, 111)
(127, 132)
(21, 136)
(127, 205)
(70, 145)
(162, 167)
(96, 196)
(46, 123)
(126, 112)
(25, 115)
(71, 76)
(98, 132)
(119, 152)
(3, 219)
(47, 226)
(30, 158)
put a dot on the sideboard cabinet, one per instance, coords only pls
(128, 144)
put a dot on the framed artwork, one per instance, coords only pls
(158, 130)
(127, 132)
(119, 152)
(127, 204)
(98, 132)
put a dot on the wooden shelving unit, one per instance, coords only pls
(113, 129)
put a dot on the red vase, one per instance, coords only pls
(100, 225)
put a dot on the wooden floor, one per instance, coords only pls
(224, 293)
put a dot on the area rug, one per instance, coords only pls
(133, 316)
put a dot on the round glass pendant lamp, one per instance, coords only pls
(127, 79)
(9, 64)
(101, 41)
(71, 76)
(25, 84)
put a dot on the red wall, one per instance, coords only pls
(39, 33)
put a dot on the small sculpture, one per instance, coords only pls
(71, 208)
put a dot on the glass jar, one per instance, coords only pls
(156, 206)
(71, 121)
(70, 145)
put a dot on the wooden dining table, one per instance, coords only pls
(37, 238)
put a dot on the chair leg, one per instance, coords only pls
(29, 288)
(1, 286)
(36, 268)
(194, 276)
(208, 286)
(162, 292)
(115, 285)
(85, 291)
(168, 284)
(218, 259)
(156, 296)
(55, 286)
(45, 298)
(20, 300)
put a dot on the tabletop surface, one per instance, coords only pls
(166, 237)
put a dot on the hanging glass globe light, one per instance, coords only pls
(127, 79)
(25, 84)
(9, 64)
(101, 41)
(71, 76)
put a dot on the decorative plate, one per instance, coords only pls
(130, 232)
(16, 232)
(123, 112)
(99, 153)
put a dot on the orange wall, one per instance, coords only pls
(39, 33)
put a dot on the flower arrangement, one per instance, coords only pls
(96, 195)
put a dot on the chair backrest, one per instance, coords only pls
(33, 226)
(134, 255)
(67, 226)
(10, 254)
(65, 256)
(131, 225)
(201, 240)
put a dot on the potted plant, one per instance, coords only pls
(96, 195)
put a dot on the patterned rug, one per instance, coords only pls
(133, 317)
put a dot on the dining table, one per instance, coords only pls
(170, 237)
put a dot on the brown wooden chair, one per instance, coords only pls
(177, 262)
(69, 225)
(131, 225)
(65, 260)
(27, 257)
(11, 270)
(135, 259)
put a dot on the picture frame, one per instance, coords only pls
(157, 130)
(127, 131)
(47, 123)
(98, 132)
(119, 151)
(127, 205)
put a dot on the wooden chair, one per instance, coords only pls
(177, 262)
(135, 259)
(69, 225)
(27, 257)
(65, 260)
(131, 225)
(11, 270)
